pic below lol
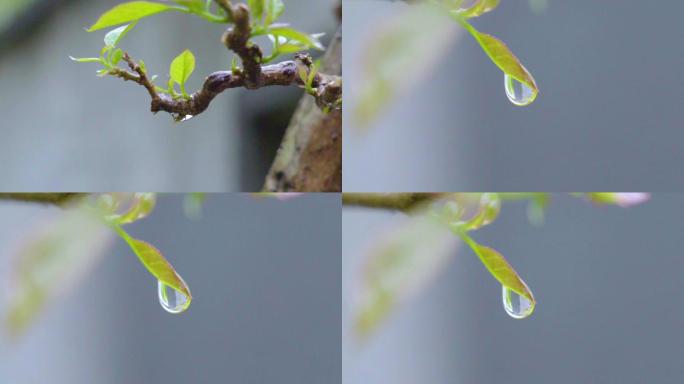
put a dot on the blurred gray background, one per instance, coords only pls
(63, 128)
(607, 280)
(265, 276)
(608, 115)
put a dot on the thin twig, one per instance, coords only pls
(391, 201)
(43, 198)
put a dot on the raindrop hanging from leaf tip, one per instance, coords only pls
(518, 93)
(172, 300)
(517, 306)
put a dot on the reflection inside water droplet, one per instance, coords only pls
(517, 92)
(186, 118)
(518, 307)
(171, 300)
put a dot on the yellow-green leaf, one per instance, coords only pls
(488, 211)
(401, 53)
(399, 266)
(51, 262)
(182, 67)
(480, 8)
(502, 271)
(502, 56)
(127, 12)
(156, 264)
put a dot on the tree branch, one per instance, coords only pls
(328, 89)
(43, 198)
(391, 201)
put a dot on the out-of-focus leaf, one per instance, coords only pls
(400, 53)
(488, 210)
(192, 205)
(536, 208)
(52, 261)
(399, 266)
(156, 264)
(127, 12)
(126, 208)
(477, 8)
(500, 55)
(274, 9)
(500, 268)
(622, 199)
(256, 7)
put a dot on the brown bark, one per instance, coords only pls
(310, 156)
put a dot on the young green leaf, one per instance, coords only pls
(156, 264)
(499, 53)
(116, 57)
(113, 37)
(51, 262)
(405, 48)
(274, 9)
(127, 12)
(181, 68)
(137, 206)
(479, 8)
(86, 59)
(488, 211)
(256, 7)
(622, 199)
(500, 269)
(400, 266)
(293, 35)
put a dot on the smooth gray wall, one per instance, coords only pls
(265, 276)
(607, 118)
(609, 290)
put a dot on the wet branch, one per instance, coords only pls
(327, 88)
(42, 198)
(389, 201)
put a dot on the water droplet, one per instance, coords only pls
(518, 307)
(517, 92)
(171, 300)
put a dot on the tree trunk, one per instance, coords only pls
(310, 156)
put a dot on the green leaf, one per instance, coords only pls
(500, 269)
(480, 8)
(274, 9)
(401, 53)
(399, 266)
(622, 199)
(156, 264)
(51, 262)
(488, 211)
(499, 53)
(113, 37)
(192, 205)
(182, 67)
(256, 7)
(116, 56)
(127, 12)
(86, 59)
(195, 6)
(136, 206)
(307, 41)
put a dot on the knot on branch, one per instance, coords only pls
(236, 39)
